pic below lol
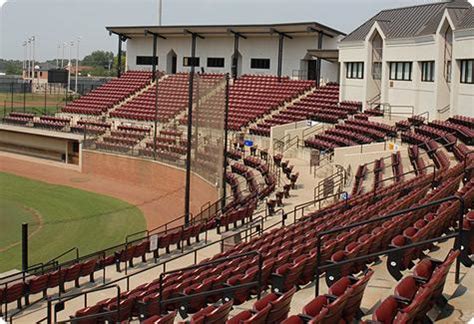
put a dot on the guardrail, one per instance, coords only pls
(458, 234)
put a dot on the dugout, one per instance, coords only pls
(41, 143)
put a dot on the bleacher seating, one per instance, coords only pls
(109, 94)
(253, 96)
(352, 132)
(415, 295)
(172, 98)
(18, 118)
(340, 305)
(51, 122)
(320, 104)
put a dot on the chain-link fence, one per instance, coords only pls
(40, 98)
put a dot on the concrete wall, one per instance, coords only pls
(167, 181)
(294, 51)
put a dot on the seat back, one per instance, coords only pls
(281, 307)
(161, 319)
(355, 298)
(220, 314)
(387, 311)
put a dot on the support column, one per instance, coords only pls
(119, 65)
(280, 55)
(226, 126)
(153, 64)
(187, 196)
(318, 61)
(235, 60)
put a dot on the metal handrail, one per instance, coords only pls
(206, 264)
(379, 219)
(311, 130)
(257, 224)
(444, 109)
(76, 249)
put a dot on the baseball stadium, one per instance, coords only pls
(247, 173)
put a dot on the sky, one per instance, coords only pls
(54, 22)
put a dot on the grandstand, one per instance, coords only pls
(311, 203)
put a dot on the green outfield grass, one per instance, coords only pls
(69, 218)
(34, 103)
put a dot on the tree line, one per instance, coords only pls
(98, 63)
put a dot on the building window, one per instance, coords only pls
(400, 71)
(189, 61)
(448, 71)
(216, 62)
(355, 70)
(146, 60)
(377, 70)
(260, 63)
(427, 71)
(467, 71)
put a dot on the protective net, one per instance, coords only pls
(208, 126)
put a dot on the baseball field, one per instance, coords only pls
(59, 218)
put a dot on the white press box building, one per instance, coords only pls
(418, 57)
(291, 49)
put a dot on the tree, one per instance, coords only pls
(99, 59)
(123, 62)
(11, 67)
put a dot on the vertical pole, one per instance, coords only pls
(155, 130)
(189, 135)
(77, 64)
(11, 101)
(235, 60)
(24, 247)
(226, 125)
(24, 97)
(33, 61)
(45, 96)
(119, 61)
(153, 62)
(280, 56)
(318, 62)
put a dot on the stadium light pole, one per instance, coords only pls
(57, 55)
(62, 58)
(27, 58)
(25, 54)
(160, 12)
(77, 61)
(33, 59)
(69, 66)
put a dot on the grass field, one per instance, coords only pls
(34, 102)
(60, 218)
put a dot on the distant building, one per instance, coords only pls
(419, 56)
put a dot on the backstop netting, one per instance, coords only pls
(208, 127)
